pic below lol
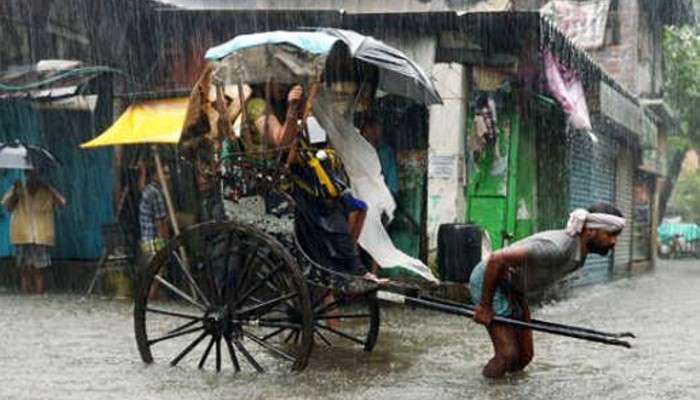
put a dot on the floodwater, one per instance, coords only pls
(59, 347)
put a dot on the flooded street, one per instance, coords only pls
(61, 348)
(233, 161)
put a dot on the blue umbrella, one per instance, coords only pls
(288, 57)
(294, 56)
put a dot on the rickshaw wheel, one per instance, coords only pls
(341, 318)
(224, 282)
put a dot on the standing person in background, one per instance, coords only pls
(32, 229)
(153, 217)
(373, 131)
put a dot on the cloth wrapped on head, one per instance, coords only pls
(581, 218)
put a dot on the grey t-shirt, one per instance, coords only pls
(551, 256)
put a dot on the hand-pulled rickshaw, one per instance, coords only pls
(259, 286)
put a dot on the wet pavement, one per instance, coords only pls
(60, 347)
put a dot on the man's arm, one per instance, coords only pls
(282, 134)
(494, 273)
(11, 198)
(57, 197)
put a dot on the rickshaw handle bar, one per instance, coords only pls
(461, 311)
(536, 321)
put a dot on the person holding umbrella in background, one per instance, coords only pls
(32, 228)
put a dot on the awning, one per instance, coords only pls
(153, 121)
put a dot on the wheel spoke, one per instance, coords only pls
(232, 353)
(317, 332)
(247, 356)
(266, 305)
(227, 260)
(258, 301)
(284, 324)
(218, 354)
(270, 283)
(327, 307)
(247, 268)
(258, 284)
(181, 327)
(209, 276)
(174, 335)
(273, 334)
(341, 334)
(293, 332)
(180, 293)
(193, 283)
(264, 344)
(275, 288)
(188, 349)
(206, 353)
(173, 313)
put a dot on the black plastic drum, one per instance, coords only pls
(459, 250)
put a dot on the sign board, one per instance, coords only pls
(442, 167)
(582, 21)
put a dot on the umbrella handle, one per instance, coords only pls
(245, 133)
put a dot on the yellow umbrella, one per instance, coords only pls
(150, 122)
(155, 121)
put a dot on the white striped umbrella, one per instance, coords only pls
(17, 155)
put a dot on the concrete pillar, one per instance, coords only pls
(447, 135)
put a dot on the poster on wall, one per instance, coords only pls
(442, 167)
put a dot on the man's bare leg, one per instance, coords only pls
(25, 280)
(38, 280)
(505, 348)
(356, 220)
(526, 349)
(375, 268)
(154, 291)
(331, 322)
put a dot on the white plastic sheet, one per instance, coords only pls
(365, 173)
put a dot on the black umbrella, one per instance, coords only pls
(18, 155)
(398, 74)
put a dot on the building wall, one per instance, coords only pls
(447, 133)
(616, 56)
(637, 42)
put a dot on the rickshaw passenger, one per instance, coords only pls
(326, 220)
(274, 124)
